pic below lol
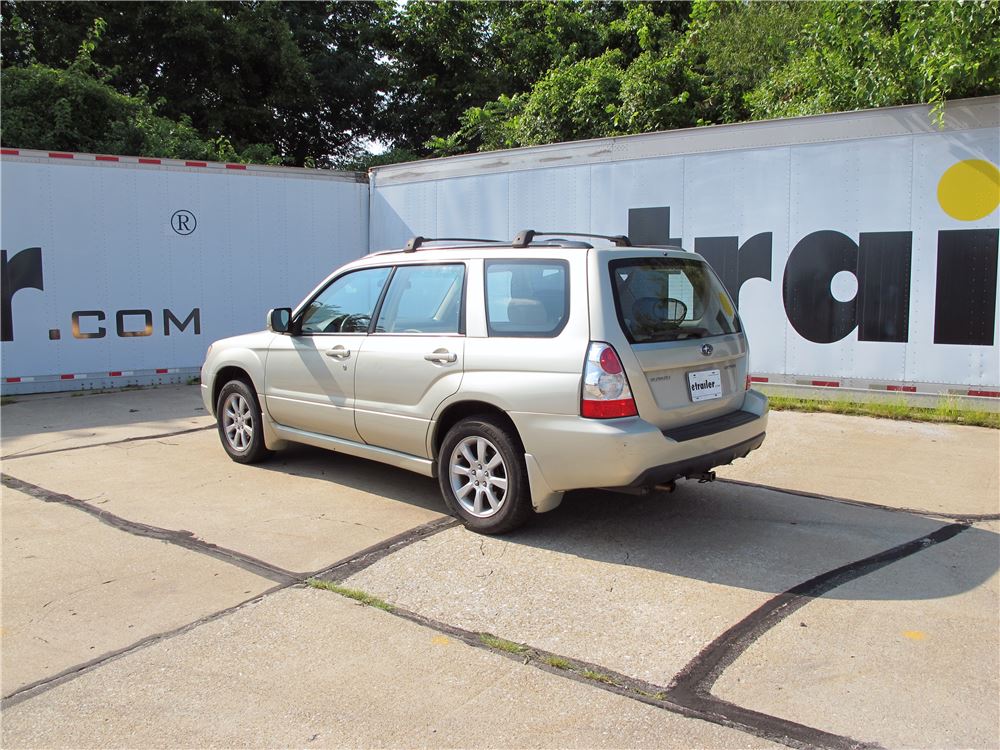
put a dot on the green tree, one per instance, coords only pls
(458, 65)
(302, 77)
(659, 92)
(733, 61)
(735, 47)
(316, 81)
(575, 101)
(75, 109)
(860, 55)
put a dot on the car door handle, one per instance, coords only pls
(441, 356)
(338, 352)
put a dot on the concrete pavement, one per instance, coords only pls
(901, 651)
(307, 668)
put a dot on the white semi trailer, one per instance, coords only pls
(862, 247)
(121, 270)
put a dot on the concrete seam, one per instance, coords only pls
(692, 686)
(767, 727)
(965, 518)
(112, 442)
(180, 538)
(371, 555)
(344, 569)
(687, 695)
(47, 683)
(712, 710)
(689, 692)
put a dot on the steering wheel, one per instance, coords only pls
(348, 324)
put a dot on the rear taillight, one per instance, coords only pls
(606, 394)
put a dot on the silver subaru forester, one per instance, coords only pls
(511, 371)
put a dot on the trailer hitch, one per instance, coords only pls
(702, 477)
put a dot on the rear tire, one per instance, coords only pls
(483, 476)
(241, 429)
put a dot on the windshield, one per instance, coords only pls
(669, 299)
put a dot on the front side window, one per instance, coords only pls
(424, 299)
(527, 298)
(668, 299)
(347, 304)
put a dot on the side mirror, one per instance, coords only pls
(278, 319)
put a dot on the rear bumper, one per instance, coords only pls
(577, 453)
(699, 465)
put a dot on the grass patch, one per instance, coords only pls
(598, 677)
(660, 696)
(557, 661)
(948, 411)
(502, 644)
(7, 401)
(358, 596)
(194, 381)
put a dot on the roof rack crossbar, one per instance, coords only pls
(413, 244)
(525, 236)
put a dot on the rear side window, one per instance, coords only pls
(527, 298)
(423, 299)
(668, 299)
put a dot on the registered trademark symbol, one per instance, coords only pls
(183, 222)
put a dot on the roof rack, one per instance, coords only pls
(525, 236)
(413, 244)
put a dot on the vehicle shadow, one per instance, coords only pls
(737, 535)
(758, 538)
(359, 474)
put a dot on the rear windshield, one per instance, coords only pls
(668, 299)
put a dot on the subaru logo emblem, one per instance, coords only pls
(707, 349)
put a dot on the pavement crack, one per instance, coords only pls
(344, 569)
(180, 538)
(689, 693)
(137, 439)
(707, 709)
(960, 518)
(361, 559)
(693, 685)
(322, 517)
(47, 683)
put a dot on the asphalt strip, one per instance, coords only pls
(692, 686)
(180, 538)
(968, 518)
(689, 692)
(136, 439)
(356, 562)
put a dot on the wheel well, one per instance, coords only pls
(464, 409)
(226, 374)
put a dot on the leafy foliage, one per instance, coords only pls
(733, 61)
(315, 83)
(734, 47)
(75, 109)
(861, 55)
(301, 77)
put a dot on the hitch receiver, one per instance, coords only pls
(702, 477)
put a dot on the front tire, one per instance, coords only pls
(483, 476)
(240, 423)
